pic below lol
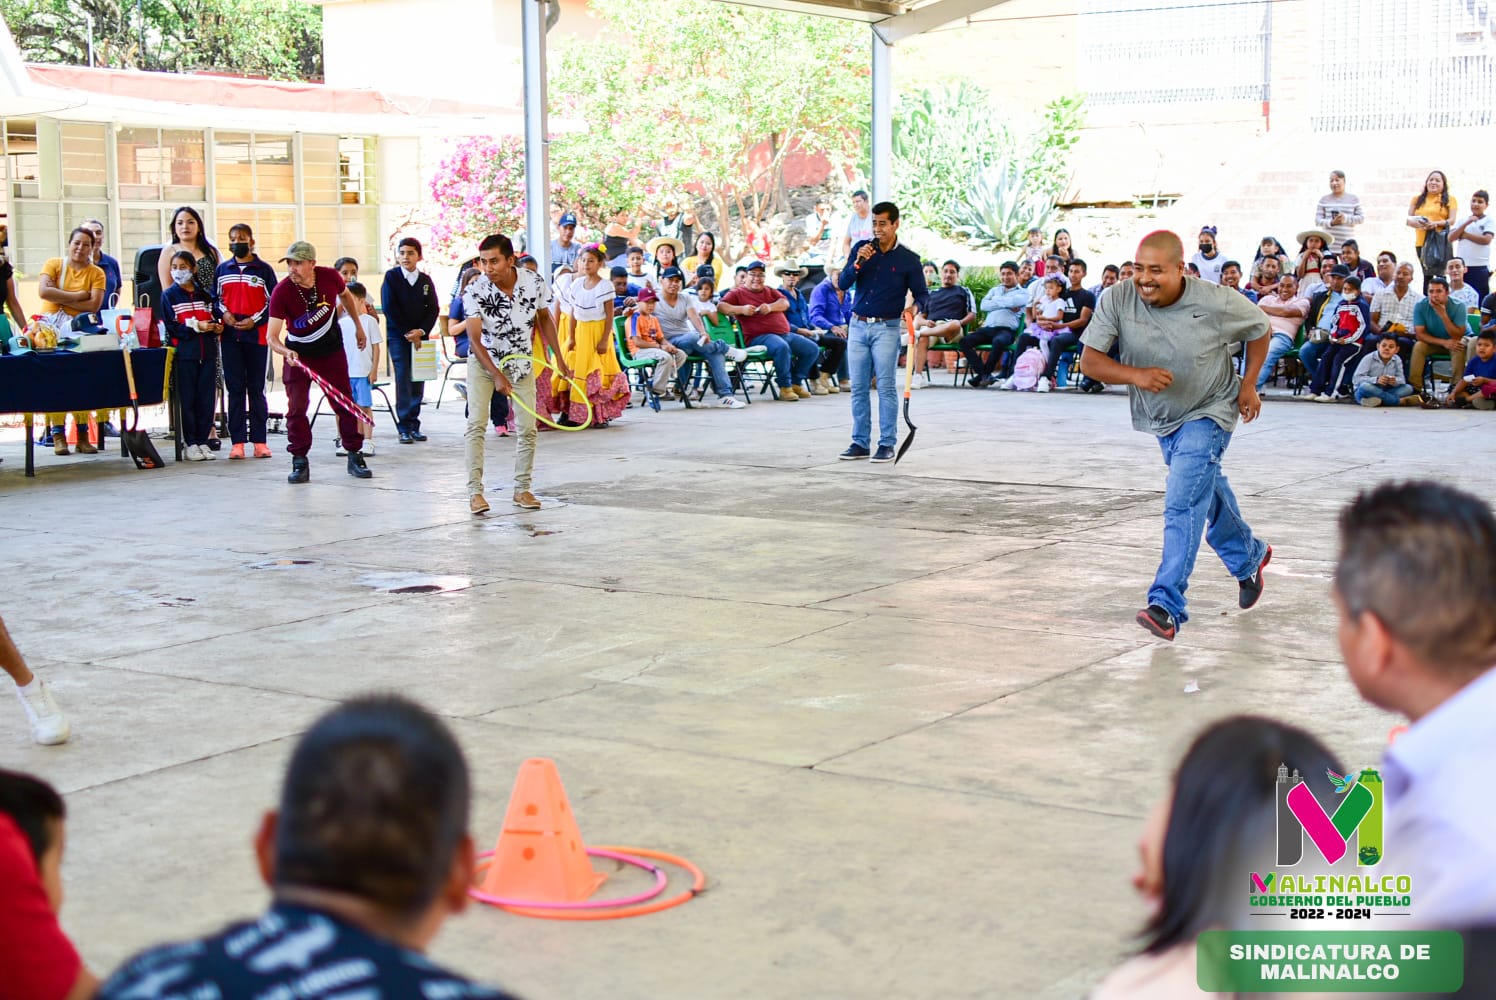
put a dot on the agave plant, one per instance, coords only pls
(1000, 206)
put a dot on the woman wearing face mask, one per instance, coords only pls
(193, 328)
(189, 236)
(1218, 821)
(1209, 260)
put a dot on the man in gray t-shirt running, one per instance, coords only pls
(1174, 336)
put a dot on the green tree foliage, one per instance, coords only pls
(961, 170)
(711, 98)
(942, 135)
(281, 39)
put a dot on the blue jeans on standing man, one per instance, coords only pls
(873, 352)
(715, 352)
(1198, 500)
(792, 354)
(408, 394)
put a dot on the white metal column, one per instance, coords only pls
(537, 150)
(882, 118)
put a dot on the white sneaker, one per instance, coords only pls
(49, 726)
(737, 354)
(207, 454)
(1043, 385)
(918, 381)
(730, 403)
(341, 450)
(1005, 383)
(1324, 398)
(368, 448)
(195, 453)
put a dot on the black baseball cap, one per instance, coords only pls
(756, 265)
(674, 272)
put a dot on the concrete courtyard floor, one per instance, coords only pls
(900, 715)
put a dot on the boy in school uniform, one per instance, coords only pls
(410, 306)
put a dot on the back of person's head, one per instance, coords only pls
(1420, 556)
(358, 289)
(375, 806)
(1222, 812)
(35, 807)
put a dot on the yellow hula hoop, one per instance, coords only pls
(575, 385)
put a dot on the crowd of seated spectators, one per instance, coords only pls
(1328, 307)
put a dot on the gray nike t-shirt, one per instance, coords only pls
(1191, 338)
(674, 320)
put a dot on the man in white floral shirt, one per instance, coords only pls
(504, 305)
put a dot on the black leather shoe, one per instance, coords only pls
(356, 466)
(405, 438)
(301, 470)
(417, 436)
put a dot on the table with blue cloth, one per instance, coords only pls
(66, 382)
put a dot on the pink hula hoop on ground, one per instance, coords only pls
(661, 880)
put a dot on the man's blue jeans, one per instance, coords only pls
(408, 394)
(1389, 397)
(1281, 344)
(1309, 355)
(715, 352)
(873, 351)
(1198, 500)
(792, 354)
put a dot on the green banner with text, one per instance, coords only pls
(1330, 961)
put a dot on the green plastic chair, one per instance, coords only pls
(756, 367)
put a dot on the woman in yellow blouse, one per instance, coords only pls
(1433, 209)
(706, 253)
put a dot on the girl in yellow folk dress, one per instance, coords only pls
(584, 326)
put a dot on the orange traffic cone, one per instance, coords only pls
(540, 855)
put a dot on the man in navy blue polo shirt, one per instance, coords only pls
(883, 272)
(367, 856)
